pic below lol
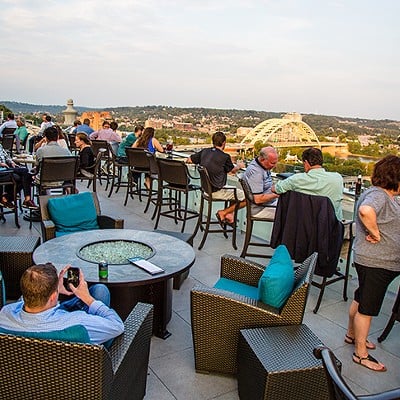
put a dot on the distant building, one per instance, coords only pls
(183, 126)
(96, 118)
(70, 113)
(154, 123)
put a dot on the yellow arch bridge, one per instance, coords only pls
(289, 131)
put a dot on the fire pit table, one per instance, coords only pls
(127, 283)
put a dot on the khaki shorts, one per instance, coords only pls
(227, 193)
(266, 212)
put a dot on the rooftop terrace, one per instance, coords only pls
(172, 374)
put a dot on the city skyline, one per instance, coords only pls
(331, 58)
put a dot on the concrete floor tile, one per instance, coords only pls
(180, 339)
(155, 389)
(177, 373)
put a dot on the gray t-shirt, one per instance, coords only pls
(386, 253)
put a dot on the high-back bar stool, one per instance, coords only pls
(206, 224)
(174, 177)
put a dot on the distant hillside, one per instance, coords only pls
(25, 108)
(321, 124)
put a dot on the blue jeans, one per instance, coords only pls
(98, 292)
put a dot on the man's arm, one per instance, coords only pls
(284, 185)
(3, 125)
(102, 323)
(236, 167)
(264, 197)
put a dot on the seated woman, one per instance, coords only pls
(21, 176)
(148, 142)
(86, 156)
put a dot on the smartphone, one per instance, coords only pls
(73, 276)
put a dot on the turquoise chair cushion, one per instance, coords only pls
(73, 213)
(277, 281)
(75, 333)
(237, 287)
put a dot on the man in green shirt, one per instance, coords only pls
(315, 181)
(128, 142)
(21, 132)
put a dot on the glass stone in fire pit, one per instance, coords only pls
(114, 251)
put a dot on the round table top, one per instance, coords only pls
(171, 254)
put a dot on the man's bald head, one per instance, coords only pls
(268, 157)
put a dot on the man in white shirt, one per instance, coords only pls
(10, 123)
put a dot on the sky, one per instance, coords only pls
(331, 57)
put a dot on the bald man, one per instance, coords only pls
(258, 177)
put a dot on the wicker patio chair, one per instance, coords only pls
(218, 315)
(338, 388)
(49, 229)
(52, 369)
(2, 291)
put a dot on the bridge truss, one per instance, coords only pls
(282, 133)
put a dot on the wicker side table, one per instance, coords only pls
(277, 363)
(15, 257)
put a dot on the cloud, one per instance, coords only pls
(238, 53)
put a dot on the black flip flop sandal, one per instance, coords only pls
(368, 358)
(349, 340)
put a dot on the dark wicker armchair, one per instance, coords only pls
(51, 369)
(218, 315)
(49, 229)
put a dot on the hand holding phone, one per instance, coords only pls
(73, 276)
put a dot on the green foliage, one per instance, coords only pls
(5, 110)
(350, 166)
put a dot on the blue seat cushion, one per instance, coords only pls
(237, 287)
(277, 281)
(73, 213)
(75, 333)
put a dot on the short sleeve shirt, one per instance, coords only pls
(260, 182)
(217, 163)
(386, 253)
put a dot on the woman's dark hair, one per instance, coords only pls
(387, 173)
(61, 134)
(313, 156)
(139, 128)
(145, 137)
(82, 136)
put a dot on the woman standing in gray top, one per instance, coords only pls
(376, 255)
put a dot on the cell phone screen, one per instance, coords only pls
(73, 276)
